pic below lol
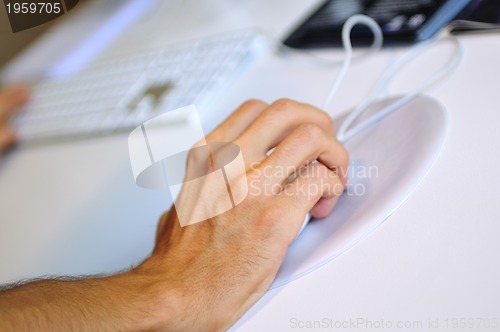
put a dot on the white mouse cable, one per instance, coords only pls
(346, 42)
(344, 133)
(323, 61)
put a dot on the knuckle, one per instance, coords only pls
(327, 119)
(311, 133)
(192, 159)
(196, 153)
(281, 110)
(252, 104)
(285, 105)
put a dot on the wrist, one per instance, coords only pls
(176, 302)
(155, 302)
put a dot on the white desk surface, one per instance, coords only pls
(72, 208)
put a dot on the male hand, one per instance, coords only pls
(10, 100)
(215, 270)
(204, 276)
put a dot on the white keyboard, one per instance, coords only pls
(121, 94)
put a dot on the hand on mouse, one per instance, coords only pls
(203, 277)
(11, 99)
(217, 269)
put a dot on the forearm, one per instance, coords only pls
(123, 302)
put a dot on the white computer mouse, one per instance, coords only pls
(387, 162)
